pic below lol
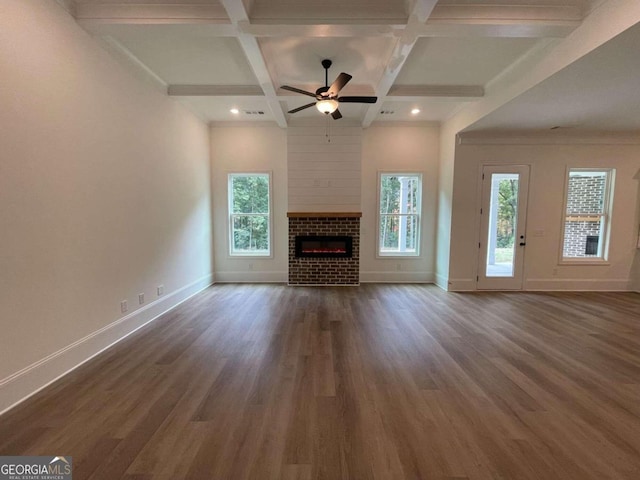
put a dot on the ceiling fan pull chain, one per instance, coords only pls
(327, 129)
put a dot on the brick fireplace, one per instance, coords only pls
(327, 227)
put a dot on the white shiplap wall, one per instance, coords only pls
(324, 172)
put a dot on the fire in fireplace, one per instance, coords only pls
(323, 247)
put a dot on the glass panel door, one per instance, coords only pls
(502, 242)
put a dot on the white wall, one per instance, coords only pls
(324, 170)
(635, 268)
(104, 194)
(446, 162)
(635, 272)
(399, 148)
(545, 212)
(250, 149)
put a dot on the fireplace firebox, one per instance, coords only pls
(340, 265)
(316, 246)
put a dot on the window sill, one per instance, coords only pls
(591, 262)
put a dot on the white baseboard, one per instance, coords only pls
(462, 285)
(21, 385)
(553, 285)
(577, 285)
(396, 277)
(442, 281)
(251, 277)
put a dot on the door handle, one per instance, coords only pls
(522, 244)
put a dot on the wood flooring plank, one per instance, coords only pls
(297, 472)
(328, 461)
(302, 419)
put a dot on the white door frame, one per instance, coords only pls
(511, 278)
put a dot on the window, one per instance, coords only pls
(399, 219)
(249, 214)
(587, 214)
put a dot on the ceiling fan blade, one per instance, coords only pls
(297, 90)
(358, 99)
(302, 107)
(339, 84)
(336, 114)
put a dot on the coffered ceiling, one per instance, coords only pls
(438, 56)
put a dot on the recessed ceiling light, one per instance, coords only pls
(235, 111)
(415, 111)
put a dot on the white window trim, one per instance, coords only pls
(230, 252)
(603, 260)
(380, 254)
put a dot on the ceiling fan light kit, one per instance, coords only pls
(327, 106)
(327, 99)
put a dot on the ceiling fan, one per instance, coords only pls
(327, 99)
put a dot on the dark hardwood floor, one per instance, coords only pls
(372, 382)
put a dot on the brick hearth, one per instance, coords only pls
(324, 271)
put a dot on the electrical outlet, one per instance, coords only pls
(398, 266)
(251, 266)
(160, 290)
(140, 298)
(123, 306)
(554, 272)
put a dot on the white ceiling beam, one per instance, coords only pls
(215, 91)
(414, 91)
(149, 14)
(299, 12)
(505, 13)
(420, 11)
(68, 5)
(203, 30)
(499, 29)
(458, 28)
(397, 93)
(132, 63)
(238, 15)
(502, 21)
(431, 100)
(321, 30)
(354, 90)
